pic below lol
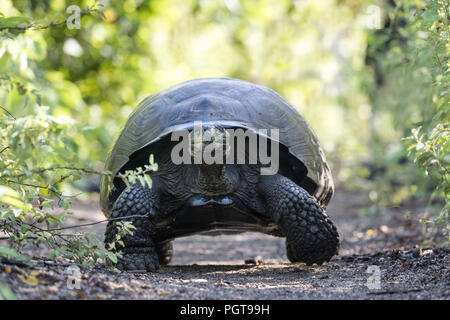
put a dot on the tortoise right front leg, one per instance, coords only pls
(140, 251)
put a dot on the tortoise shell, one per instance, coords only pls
(229, 103)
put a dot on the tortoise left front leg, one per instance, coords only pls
(140, 251)
(311, 236)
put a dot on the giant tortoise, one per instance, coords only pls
(224, 196)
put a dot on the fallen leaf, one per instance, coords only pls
(30, 280)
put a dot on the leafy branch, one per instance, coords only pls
(28, 188)
(23, 24)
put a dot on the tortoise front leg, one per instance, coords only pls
(140, 251)
(311, 236)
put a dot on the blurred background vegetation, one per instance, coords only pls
(371, 78)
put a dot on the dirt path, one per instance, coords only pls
(254, 266)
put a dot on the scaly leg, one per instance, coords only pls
(140, 251)
(311, 236)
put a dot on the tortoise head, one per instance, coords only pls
(209, 148)
(209, 144)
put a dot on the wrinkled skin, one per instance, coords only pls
(188, 199)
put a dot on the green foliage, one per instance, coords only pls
(10, 253)
(432, 153)
(123, 228)
(35, 165)
(410, 91)
(12, 198)
(32, 169)
(139, 174)
(39, 152)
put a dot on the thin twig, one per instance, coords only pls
(31, 185)
(438, 60)
(54, 191)
(5, 148)
(8, 112)
(98, 222)
(395, 291)
(84, 170)
(80, 225)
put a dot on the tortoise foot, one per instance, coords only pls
(311, 236)
(165, 252)
(141, 261)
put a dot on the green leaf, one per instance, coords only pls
(112, 257)
(14, 21)
(148, 180)
(430, 15)
(10, 253)
(6, 293)
(100, 253)
(13, 198)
